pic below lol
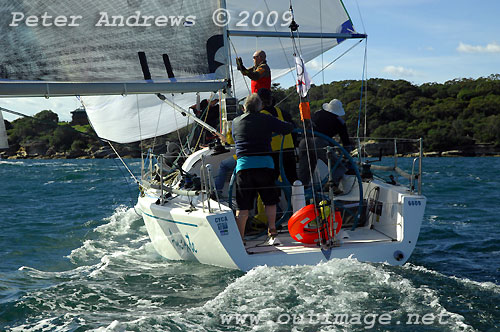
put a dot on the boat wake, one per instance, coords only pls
(120, 283)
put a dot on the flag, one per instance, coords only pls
(303, 79)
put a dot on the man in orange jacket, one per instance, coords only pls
(260, 73)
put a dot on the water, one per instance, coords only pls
(74, 256)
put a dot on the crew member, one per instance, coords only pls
(288, 145)
(252, 133)
(327, 121)
(209, 112)
(260, 73)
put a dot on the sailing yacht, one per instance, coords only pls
(137, 78)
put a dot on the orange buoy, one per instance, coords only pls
(300, 219)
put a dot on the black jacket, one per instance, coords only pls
(330, 125)
(252, 133)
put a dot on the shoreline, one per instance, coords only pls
(432, 154)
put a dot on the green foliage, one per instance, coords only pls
(448, 116)
(78, 145)
(84, 129)
(63, 137)
(47, 117)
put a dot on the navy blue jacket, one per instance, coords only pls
(252, 133)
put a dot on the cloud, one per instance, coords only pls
(315, 65)
(30, 106)
(399, 71)
(490, 48)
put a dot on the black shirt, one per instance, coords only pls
(252, 133)
(330, 124)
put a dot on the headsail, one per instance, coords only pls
(126, 119)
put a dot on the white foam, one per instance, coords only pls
(110, 237)
(483, 285)
(51, 324)
(115, 326)
(339, 286)
(6, 162)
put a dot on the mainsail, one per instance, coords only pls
(75, 47)
(93, 40)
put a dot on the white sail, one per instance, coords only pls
(105, 58)
(4, 144)
(315, 18)
(93, 40)
(132, 118)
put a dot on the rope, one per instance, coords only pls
(123, 162)
(281, 43)
(329, 64)
(156, 130)
(244, 80)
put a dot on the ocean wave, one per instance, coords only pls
(116, 234)
(8, 162)
(337, 287)
(489, 286)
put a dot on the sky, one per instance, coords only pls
(416, 40)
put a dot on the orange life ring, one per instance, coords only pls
(300, 219)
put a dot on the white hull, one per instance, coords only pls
(181, 230)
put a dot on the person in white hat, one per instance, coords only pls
(326, 121)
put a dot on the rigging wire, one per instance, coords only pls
(157, 126)
(297, 53)
(322, 51)
(126, 178)
(321, 70)
(236, 53)
(281, 43)
(363, 85)
(366, 85)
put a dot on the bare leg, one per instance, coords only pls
(241, 220)
(271, 216)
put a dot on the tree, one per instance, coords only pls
(63, 137)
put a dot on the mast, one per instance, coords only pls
(227, 103)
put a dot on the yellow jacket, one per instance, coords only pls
(276, 140)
